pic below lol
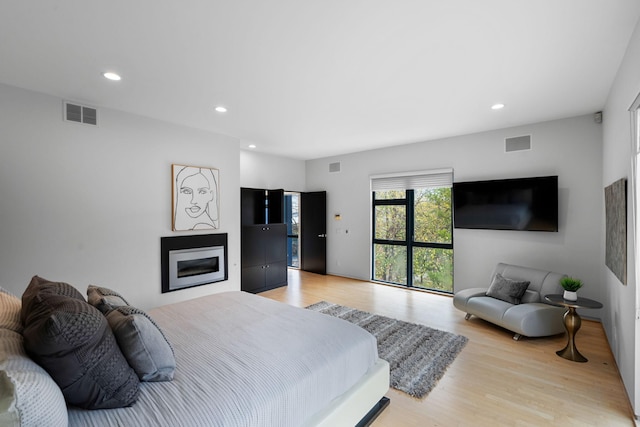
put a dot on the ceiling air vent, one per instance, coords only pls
(334, 167)
(80, 114)
(517, 143)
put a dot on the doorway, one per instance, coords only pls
(306, 220)
(292, 219)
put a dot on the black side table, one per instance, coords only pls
(572, 323)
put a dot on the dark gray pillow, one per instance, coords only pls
(508, 290)
(38, 285)
(72, 341)
(143, 344)
(104, 299)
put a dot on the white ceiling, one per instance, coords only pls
(313, 78)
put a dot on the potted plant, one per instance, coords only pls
(570, 286)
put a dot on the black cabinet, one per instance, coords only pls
(259, 206)
(264, 240)
(264, 257)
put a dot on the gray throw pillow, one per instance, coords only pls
(143, 344)
(72, 341)
(508, 290)
(104, 299)
(38, 285)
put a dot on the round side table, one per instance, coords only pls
(572, 323)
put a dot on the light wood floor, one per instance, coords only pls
(495, 381)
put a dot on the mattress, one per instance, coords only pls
(244, 360)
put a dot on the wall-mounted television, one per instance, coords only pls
(526, 204)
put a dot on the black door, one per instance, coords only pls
(313, 230)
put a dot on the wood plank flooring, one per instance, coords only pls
(495, 381)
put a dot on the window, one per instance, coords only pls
(412, 230)
(635, 174)
(292, 219)
(635, 206)
(635, 181)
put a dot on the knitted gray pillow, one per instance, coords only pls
(143, 344)
(72, 341)
(39, 285)
(104, 299)
(508, 290)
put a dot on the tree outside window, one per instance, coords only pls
(413, 238)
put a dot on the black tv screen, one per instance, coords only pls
(528, 204)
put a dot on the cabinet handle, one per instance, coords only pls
(322, 235)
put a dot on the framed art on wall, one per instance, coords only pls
(195, 202)
(615, 201)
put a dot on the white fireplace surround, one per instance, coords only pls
(184, 270)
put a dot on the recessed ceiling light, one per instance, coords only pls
(252, 145)
(497, 106)
(221, 109)
(112, 76)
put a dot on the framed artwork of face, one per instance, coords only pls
(195, 198)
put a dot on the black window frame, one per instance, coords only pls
(409, 203)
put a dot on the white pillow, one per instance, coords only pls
(28, 395)
(10, 306)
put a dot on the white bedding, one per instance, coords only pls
(244, 360)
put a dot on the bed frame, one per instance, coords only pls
(365, 397)
(211, 316)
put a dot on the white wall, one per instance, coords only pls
(88, 205)
(570, 148)
(259, 170)
(620, 300)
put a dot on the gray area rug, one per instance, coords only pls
(418, 355)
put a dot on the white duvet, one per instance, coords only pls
(244, 360)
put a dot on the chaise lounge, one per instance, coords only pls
(515, 301)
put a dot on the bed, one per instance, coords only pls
(245, 360)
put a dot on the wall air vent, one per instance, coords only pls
(80, 114)
(517, 143)
(334, 167)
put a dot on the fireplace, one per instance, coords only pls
(189, 261)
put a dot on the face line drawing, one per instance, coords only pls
(198, 189)
(196, 200)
